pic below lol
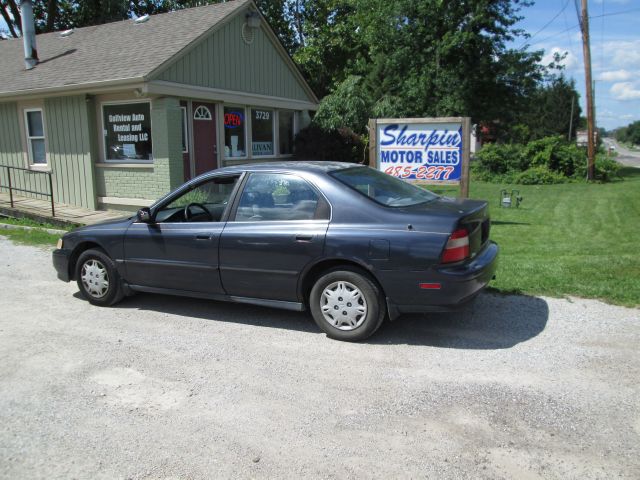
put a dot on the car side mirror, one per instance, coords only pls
(144, 215)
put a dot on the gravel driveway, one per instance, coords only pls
(167, 388)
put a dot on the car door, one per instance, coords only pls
(179, 249)
(277, 228)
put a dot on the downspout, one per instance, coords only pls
(28, 34)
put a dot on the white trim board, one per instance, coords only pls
(143, 202)
(162, 87)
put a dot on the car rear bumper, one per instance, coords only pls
(449, 288)
(61, 263)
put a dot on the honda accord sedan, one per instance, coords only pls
(348, 243)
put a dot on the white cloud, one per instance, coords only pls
(570, 62)
(623, 54)
(625, 91)
(615, 76)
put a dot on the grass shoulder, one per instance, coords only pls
(35, 234)
(573, 239)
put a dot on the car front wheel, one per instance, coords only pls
(347, 305)
(98, 279)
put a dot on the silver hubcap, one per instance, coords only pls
(95, 278)
(343, 305)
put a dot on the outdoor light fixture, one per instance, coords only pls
(253, 19)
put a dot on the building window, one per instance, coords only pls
(202, 113)
(35, 136)
(185, 131)
(127, 132)
(285, 132)
(262, 132)
(234, 132)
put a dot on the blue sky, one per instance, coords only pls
(615, 51)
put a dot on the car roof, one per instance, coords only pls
(293, 165)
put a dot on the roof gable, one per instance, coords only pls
(224, 60)
(113, 51)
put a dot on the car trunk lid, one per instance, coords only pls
(448, 214)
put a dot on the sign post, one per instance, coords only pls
(432, 151)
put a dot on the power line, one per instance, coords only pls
(551, 21)
(602, 37)
(566, 24)
(621, 12)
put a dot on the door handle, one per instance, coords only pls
(203, 237)
(303, 237)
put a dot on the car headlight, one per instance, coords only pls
(59, 244)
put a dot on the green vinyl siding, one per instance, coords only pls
(223, 60)
(69, 132)
(11, 153)
(68, 161)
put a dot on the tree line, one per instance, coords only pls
(376, 58)
(629, 134)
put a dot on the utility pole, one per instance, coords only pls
(586, 50)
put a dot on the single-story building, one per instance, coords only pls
(124, 112)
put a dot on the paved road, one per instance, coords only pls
(625, 156)
(168, 388)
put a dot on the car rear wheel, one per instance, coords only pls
(346, 304)
(98, 279)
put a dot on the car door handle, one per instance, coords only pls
(203, 237)
(303, 237)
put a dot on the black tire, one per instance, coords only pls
(348, 324)
(95, 262)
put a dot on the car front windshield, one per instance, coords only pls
(383, 188)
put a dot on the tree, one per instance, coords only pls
(330, 44)
(422, 57)
(547, 112)
(629, 134)
(11, 16)
(52, 15)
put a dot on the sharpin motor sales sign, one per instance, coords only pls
(428, 150)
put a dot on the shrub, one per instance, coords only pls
(342, 145)
(539, 175)
(544, 161)
(606, 169)
(495, 159)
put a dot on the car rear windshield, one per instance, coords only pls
(383, 188)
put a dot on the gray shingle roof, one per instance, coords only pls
(113, 51)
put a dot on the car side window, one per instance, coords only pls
(277, 197)
(205, 202)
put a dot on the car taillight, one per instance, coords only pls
(457, 247)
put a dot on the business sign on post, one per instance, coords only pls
(425, 150)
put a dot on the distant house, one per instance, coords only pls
(122, 113)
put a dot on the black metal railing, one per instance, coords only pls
(10, 185)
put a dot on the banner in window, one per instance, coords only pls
(262, 132)
(127, 131)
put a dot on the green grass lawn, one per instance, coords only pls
(573, 239)
(31, 237)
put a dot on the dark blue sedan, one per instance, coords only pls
(349, 243)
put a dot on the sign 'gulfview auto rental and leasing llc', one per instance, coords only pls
(426, 150)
